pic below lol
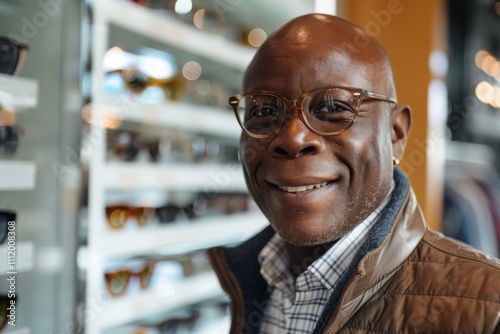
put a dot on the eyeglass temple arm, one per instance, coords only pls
(380, 96)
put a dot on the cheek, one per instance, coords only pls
(252, 152)
(368, 155)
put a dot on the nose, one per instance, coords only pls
(295, 139)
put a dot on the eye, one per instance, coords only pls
(262, 111)
(267, 111)
(330, 108)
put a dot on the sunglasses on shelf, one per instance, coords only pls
(118, 280)
(171, 213)
(12, 55)
(138, 83)
(193, 318)
(5, 218)
(118, 215)
(126, 145)
(9, 139)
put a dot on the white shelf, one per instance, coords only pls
(23, 260)
(167, 30)
(171, 238)
(156, 239)
(24, 330)
(177, 115)
(188, 177)
(18, 93)
(17, 175)
(123, 310)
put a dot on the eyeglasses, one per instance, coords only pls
(12, 55)
(117, 281)
(325, 111)
(5, 218)
(9, 139)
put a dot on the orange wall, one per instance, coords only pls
(410, 31)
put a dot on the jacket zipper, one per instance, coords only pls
(339, 305)
(331, 323)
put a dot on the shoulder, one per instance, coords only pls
(442, 266)
(443, 286)
(444, 271)
(451, 253)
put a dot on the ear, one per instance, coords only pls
(401, 120)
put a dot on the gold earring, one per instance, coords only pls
(395, 161)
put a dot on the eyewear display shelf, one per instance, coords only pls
(17, 94)
(104, 244)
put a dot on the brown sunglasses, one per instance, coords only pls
(117, 281)
(118, 215)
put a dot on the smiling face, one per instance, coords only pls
(312, 188)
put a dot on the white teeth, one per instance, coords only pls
(301, 189)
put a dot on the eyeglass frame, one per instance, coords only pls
(147, 267)
(358, 93)
(21, 52)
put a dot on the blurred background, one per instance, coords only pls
(122, 165)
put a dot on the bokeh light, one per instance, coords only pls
(191, 70)
(485, 92)
(199, 18)
(183, 6)
(256, 37)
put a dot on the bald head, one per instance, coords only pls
(332, 43)
(311, 54)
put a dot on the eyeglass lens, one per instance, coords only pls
(9, 139)
(8, 57)
(329, 110)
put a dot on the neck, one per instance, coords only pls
(302, 257)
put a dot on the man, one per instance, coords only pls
(348, 249)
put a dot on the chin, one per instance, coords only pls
(306, 236)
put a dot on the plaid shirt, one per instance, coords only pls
(295, 306)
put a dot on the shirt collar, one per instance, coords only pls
(331, 265)
(276, 265)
